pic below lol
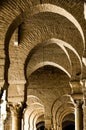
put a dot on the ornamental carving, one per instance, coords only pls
(16, 109)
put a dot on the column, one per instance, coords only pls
(16, 113)
(84, 105)
(84, 109)
(2, 109)
(84, 117)
(77, 98)
(78, 115)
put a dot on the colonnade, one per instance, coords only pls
(17, 117)
(17, 112)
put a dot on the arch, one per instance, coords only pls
(35, 10)
(39, 9)
(66, 96)
(68, 117)
(41, 64)
(40, 124)
(68, 125)
(31, 99)
(63, 113)
(64, 110)
(59, 44)
(39, 114)
(60, 108)
(34, 115)
(65, 47)
(33, 104)
(34, 108)
(40, 119)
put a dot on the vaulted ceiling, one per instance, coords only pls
(41, 48)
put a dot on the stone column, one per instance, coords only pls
(78, 115)
(77, 98)
(16, 113)
(84, 117)
(84, 105)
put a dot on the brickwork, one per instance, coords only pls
(47, 33)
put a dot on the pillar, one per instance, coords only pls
(77, 98)
(84, 110)
(84, 105)
(78, 115)
(84, 117)
(16, 113)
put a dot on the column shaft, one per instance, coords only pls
(84, 118)
(78, 116)
(16, 122)
(16, 112)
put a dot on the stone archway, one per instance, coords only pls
(68, 122)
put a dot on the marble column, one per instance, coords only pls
(16, 113)
(78, 115)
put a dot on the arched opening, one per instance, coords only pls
(68, 122)
(69, 125)
(40, 125)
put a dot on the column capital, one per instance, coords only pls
(77, 90)
(16, 108)
(78, 103)
(76, 87)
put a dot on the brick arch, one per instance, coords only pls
(39, 9)
(46, 61)
(13, 18)
(69, 54)
(33, 11)
(41, 64)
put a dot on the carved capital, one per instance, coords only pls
(16, 109)
(78, 103)
(77, 89)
